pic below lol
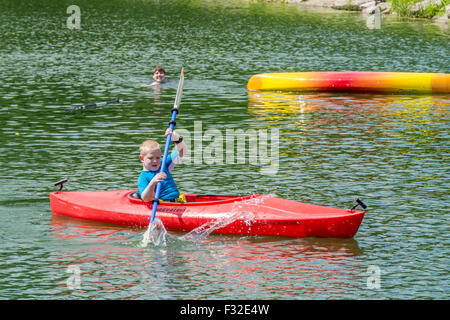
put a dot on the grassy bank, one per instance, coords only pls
(408, 8)
(404, 8)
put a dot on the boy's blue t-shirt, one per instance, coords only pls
(169, 190)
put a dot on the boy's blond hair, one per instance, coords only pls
(148, 146)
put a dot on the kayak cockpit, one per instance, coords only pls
(194, 198)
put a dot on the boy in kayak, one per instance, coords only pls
(151, 156)
(159, 75)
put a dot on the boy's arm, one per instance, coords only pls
(181, 146)
(149, 192)
(154, 83)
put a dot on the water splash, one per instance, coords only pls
(206, 229)
(156, 234)
(237, 212)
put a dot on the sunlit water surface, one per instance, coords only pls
(389, 150)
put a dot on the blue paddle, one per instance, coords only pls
(166, 148)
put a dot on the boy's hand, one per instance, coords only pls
(175, 135)
(159, 177)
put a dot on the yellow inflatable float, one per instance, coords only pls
(353, 81)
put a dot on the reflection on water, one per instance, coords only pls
(283, 268)
(275, 104)
(417, 119)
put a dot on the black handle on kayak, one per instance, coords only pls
(60, 183)
(358, 203)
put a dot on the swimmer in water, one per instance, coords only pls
(159, 75)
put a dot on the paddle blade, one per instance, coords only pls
(156, 234)
(179, 90)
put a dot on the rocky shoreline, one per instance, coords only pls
(372, 6)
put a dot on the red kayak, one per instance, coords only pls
(268, 216)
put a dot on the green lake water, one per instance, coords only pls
(392, 151)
